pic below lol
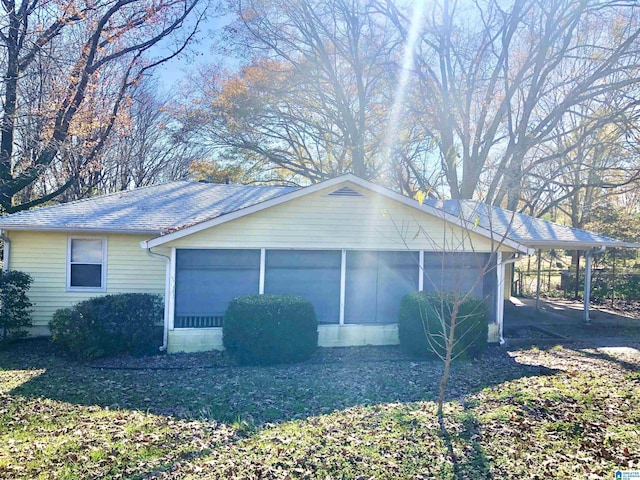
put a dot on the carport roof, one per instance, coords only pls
(533, 232)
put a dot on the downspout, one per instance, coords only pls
(167, 293)
(5, 251)
(503, 264)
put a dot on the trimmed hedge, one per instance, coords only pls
(268, 329)
(15, 306)
(110, 325)
(420, 313)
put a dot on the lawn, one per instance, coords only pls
(571, 412)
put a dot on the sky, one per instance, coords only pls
(199, 54)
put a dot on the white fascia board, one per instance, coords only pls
(20, 228)
(347, 178)
(627, 245)
(571, 244)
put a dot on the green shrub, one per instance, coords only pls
(110, 325)
(421, 331)
(267, 329)
(627, 286)
(15, 307)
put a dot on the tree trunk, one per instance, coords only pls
(7, 127)
(447, 361)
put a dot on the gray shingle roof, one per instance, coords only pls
(155, 209)
(173, 206)
(525, 229)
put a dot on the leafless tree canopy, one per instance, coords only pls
(67, 68)
(311, 99)
(529, 104)
(524, 104)
(513, 88)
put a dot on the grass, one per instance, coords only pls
(531, 413)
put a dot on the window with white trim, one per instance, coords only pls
(86, 267)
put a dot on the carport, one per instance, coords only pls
(588, 251)
(536, 235)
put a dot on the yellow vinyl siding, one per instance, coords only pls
(44, 256)
(319, 221)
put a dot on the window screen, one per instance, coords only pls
(376, 283)
(314, 275)
(460, 272)
(455, 272)
(86, 263)
(206, 280)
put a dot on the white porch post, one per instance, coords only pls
(263, 257)
(171, 297)
(500, 296)
(538, 280)
(421, 271)
(587, 285)
(343, 284)
(167, 307)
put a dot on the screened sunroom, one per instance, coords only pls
(346, 287)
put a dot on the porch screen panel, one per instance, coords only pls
(206, 280)
(398, 274)
(314, 275)
(376, 283)
(460, 272)
(361, 287)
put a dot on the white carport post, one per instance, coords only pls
(500, 296)
(588, 255)
(539, 253)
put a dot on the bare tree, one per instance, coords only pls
(456, 278)
(313, 96)
(498, 80)
(67, 69)
(148, 149)
(474, 109)
(587, 162)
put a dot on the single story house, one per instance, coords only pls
(351, 247)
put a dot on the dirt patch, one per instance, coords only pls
(532, 332)
(221, 359)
